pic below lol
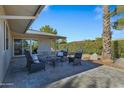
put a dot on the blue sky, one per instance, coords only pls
(74, 21)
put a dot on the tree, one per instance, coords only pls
(51, 30)
(106, 52)
(62, 41)
(48, 29)
(119, 23)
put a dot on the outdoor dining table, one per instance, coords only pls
(51, 60)
(48, 59)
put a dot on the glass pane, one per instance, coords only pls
(25, 45)
(35, 45)
(17, 47)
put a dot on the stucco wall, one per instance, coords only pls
(44, 45)
(5, 55)
(44, 41)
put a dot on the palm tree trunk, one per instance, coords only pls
(106, 53)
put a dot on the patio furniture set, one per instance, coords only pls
(38, 62)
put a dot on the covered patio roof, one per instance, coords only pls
(36, 34)
(20, 17)
(39, 33)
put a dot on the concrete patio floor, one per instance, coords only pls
(101, 77)
(18, 77)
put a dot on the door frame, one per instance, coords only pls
(22, 39)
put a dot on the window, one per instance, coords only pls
(25, 44)
(17, 47)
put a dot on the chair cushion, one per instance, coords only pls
(35, 58)
(60, 54)
(78, 55)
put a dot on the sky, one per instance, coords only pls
(76, 22)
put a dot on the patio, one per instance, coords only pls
(100, 77)
(17, 75)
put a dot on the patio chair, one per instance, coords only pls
(33, 65)
(76, 59)
(62, 56)
(65, 54)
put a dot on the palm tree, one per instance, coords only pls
(119, 23)
(106, 53)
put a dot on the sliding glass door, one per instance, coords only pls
(25, 44)
(17, 47)
(34, 46)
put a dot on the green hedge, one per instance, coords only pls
(94, 46)
(118, 48)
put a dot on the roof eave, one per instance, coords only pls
(35, 14)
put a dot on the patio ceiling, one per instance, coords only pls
(21, 11)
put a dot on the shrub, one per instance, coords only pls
(94, 46)
(122, 55)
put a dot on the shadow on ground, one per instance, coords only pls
(19, 77)
(85, 82)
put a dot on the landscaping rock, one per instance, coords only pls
(86, 56)
(94, 56)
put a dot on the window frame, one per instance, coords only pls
(6, 36)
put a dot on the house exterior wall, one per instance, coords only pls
(5, 54)
(44, 45)
(44, 41)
